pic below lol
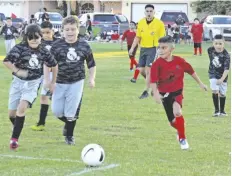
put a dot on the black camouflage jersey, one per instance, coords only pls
(8, 32)
(48, 44)
(26, 58)
(218, 63)
(70, 59)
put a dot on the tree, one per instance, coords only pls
(213, 7)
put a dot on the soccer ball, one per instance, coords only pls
(93, 155)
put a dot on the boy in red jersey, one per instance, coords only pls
(129, 35)
(167, 82)
(197, 32)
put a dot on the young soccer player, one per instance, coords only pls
(26, 61)
(129, 35)
(167, 82)
(9, 32)
(47, 41)
(71, 54)
(197, 33)
(218, 74)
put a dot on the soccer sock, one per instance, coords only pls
(179, 123)
(200, 50)
(43, 114)
(131, 64)
(70, 127)
(63, 119)
(222, 103)
(12, 119)
(135, 62)
(195, 51)
(18, 126)
(173, 125)
(215, 102)
(136, 74)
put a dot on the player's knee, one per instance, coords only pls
(12, 114)
(44, 99)
(215, 91)
(222, 95)
(178, 114)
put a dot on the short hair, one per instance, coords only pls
(8, 18)
(70, 20)
(149, 5)
(32, 16)
(166, 39)
(133, 22)
(218, 37)
(31, 30)
(45, 9)
(196, 19)
(46, 24)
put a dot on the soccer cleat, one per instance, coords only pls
(65, 130)
(70, 140)
(13, 144)
(144, 95)
(223, 114)
(184, 144)
(131, 70)
(216, 114)
(38, 127)
(133, 80)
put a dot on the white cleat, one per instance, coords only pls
(184, 144)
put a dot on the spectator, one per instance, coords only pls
(33, 20)
(45, 16)
(115, 36)
(180, 21)
(170, 30)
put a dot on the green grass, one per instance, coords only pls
(134, 133)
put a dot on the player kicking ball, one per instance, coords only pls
(167, 82)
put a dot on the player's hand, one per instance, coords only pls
(52, 87)
(203, 87)
(22, 73)
(91, 84)
(131, 51)
(158, 98)
(219, 81)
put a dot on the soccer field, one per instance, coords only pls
(134, 133)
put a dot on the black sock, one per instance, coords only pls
(43, 114)
(18, 126)
(222, 104)
(216, 102)
(70, 127)
(63, 119)
(12, 119)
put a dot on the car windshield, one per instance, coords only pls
(53, 17)
(222, 20)
(17, 20)
(104, 18)
(122, 19)
(172, 16)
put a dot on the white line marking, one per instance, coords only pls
(87, 170)
(34, 158)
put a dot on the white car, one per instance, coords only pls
(55, 19)
(217, 24)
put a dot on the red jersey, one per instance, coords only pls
(169, 76)
(129, 35)
(197, 31)
(114, 37)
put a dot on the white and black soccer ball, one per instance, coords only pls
(93, 155)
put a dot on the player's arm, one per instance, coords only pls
(92, 68)
(122, 39)
(162, 31)
(3, 30)
(154, 82)
(226, 69)
(189, 69)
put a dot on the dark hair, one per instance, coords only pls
(46, 24)
(88, 16)
(196, 19)
(133, 22)
(32, 30)
(32, 16)
(45, 9)
(8, 18)
(149, 5)
(70, 20)
(169, 26)
(166, 39)
(218, 37)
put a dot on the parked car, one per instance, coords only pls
(217, 24)
(55, 19)
(106, 22)
(2, 20)
(169, 17)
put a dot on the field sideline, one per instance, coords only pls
(135, 134)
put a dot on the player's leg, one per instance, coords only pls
(195, 48)
(215, 95)
(72, 102)
(12, 44)
(131, 60)
(200, 48)
(222, 98)
(137, 71)
(7, 45)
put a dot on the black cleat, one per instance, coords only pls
(223, 113)
(133, 80)
(144, 95)
(216, 114)
(70, 140)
